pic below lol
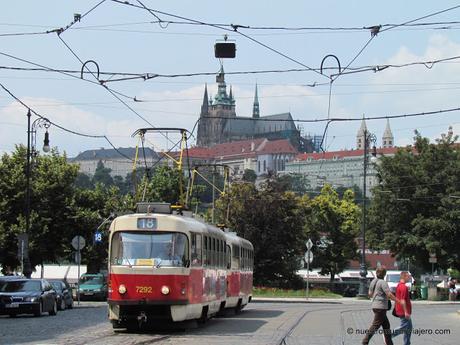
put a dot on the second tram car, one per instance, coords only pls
(175, 268)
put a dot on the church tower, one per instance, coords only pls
(387, 138)
(214, 114)
(255, 106)
(360, 137)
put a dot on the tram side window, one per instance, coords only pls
(235, 256)
(222, 254)
(214, 252)
(228, 258)
(196, 249)
(205, 251)
(209, 241)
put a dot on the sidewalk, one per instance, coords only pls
(345, 300)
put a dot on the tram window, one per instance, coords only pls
(196, 250)
(228, 257)
(214, 252)
(150, 249)
(235, 256)
(222, 254)
(205, 251)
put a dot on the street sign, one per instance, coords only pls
(97, 236)
(78, 243)
(308, 257)
(23, 245)
(433, 260)
(78, 258)
(309, 244)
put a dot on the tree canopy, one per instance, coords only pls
(415, 211)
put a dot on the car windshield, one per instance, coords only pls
(91, 280)
(57, 286)
(149, 249)
(393, 278)
(21, 285)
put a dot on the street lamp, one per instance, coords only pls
(31, 153)
(368, 137)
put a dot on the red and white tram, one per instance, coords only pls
(173, 267)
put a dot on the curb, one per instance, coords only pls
(290, 300)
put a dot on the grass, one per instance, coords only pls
(286, 293)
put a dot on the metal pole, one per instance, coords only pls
(78, 274)
(363, 270)
(213, 194)
(27, 269)
(308, 275)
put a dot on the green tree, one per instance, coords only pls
(272, 219)
(52, 185)
(249, 175)
(298, 183)
(83, 181)
(163, 185)
(90, 208)
(333, 224)
(413, 213)
(102, 175)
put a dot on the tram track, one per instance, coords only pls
(341, 337)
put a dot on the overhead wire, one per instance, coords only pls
(420, 18)
(60, 126)
(234, 28)
(78, 18)
(147, 76)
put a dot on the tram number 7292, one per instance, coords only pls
(143, 289)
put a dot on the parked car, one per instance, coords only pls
(64, 294)
(27, 296)
(4, 279)
(93, 286)
(393, 277)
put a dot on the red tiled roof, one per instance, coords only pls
(243, 148)
(344, 153)
(277, 146)
(237, 148)
(372, 259)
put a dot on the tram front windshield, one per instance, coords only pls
(149, 249)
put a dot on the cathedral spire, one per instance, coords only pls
(361, 135)
(205, 105)
(387, 138)
(255, 107)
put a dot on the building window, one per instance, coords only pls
(258, 166)
(265, 166)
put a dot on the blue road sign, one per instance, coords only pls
(97, 236)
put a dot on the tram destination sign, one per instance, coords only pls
(147, 223)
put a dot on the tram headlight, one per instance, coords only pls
(164, 290)
(122, 289)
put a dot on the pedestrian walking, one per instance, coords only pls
(403, 309)
(380, 294)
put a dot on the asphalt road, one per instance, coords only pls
(260, 323)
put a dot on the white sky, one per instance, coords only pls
(141, 47)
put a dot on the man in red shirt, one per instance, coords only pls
(404, 309)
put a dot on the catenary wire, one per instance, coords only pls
(234, 27)
(62, 127)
